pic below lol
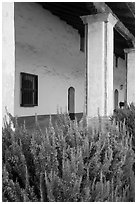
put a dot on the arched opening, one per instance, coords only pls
(71, 103)
(116, 99)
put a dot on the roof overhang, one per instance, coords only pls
(120, 27)
(124, 12)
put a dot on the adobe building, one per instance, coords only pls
(78, 57)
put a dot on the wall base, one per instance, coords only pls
(97, 123)
(43, 120)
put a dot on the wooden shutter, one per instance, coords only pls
(29, 90)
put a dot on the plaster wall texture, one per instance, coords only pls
(100, 69)
(8, 57)
(50, 48)
(131, 77)
(95, 68)
(109, 61)
(119, 79)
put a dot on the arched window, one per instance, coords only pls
(71, 103)
(116, 99)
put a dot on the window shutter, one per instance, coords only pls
(29, 90)
(36, 91)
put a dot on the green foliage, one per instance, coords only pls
(67, 163)
(126, 116)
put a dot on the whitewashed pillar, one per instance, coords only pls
(99, 61)
(8, 57)
(130, 78)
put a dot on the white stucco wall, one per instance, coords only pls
(131, 76)
(8, 57)
(119, 74)
(48, 47)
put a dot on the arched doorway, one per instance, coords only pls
(71, 103)
(116, 99)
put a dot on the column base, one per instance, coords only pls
(97, 123)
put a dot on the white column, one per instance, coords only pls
(8, 57)
(130, 57)
(99, 63)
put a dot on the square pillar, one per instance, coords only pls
(8, 58)
(130, 78)
(99, 62)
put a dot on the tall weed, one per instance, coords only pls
(67, 163)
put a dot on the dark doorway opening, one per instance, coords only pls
(116, 99)
(71, 103)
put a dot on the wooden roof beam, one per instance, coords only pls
(102, 8)
(131, 6)
(66, 7)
